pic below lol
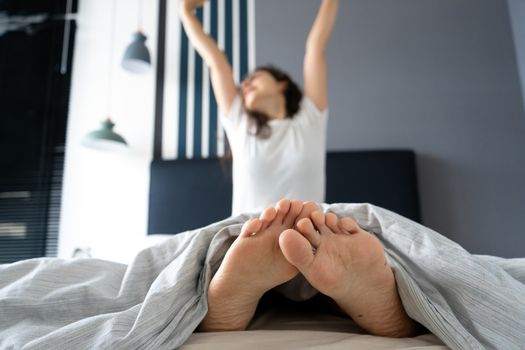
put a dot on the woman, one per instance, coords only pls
(276, 135)
(277, 139)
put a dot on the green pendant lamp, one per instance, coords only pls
(105, 138)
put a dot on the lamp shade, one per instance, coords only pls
(136, 57)
(105, 138)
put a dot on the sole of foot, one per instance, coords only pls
(348, 264)
(253, 265)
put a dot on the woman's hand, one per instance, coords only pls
(190, 5)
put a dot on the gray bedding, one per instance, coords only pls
(157, 301)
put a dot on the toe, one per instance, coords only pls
(308, 208)
(348, 225)
(296, 249)
(282, 207)
(331, 222)
(318, 219)
(295, 209)
(267, 217)
(307, 229)
(251, 227)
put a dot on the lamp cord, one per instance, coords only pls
(139, 20)
(110, 70)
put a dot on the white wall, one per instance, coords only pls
(105, 195)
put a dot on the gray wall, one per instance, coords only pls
(436, 76)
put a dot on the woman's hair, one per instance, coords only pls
(292, 95)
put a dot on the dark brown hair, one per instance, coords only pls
(292, 95)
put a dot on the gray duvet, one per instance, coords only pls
(157, 301)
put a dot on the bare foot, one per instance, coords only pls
(348, 264)
(253, 265)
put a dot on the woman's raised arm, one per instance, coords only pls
(315, 66)
(221, 73)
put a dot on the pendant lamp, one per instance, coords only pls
(105, 138)
(136, 57)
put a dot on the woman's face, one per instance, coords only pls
(260, 87)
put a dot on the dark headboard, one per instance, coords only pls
(187, 194)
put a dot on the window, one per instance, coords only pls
(35, 62)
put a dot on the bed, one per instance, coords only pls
(384, 177)
(157, 301)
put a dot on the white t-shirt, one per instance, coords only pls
(289, 164)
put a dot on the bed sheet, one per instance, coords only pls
(305, 325)
(261, 339)
(322, 331)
